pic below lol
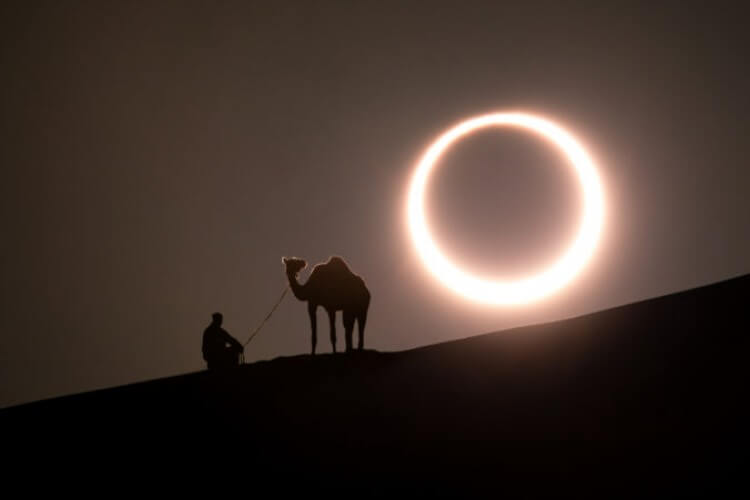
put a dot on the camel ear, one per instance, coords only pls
(283, 260)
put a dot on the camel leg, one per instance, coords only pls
(361, 321)
(348, 328)
(332, 320)
(312, 311)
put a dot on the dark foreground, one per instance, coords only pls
(644, 397)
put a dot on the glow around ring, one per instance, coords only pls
(526, 289)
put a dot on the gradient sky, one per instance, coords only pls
(160, 158)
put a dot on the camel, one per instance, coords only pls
(333, 286)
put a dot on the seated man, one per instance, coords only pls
(220, 350)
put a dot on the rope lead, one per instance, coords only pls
(283, 294)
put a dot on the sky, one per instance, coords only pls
(160, 158)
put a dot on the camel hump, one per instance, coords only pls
(336, 262)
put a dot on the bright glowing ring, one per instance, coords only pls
(526, 289)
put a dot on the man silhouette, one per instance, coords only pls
(220, 350)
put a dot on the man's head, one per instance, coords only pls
(217, 318)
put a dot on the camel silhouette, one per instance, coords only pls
(335, 287)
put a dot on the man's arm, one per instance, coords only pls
(232, 341)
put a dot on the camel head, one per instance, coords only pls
(293, 265)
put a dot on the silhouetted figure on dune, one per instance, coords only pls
(220, 350)
(333, 286)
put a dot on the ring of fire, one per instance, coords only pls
(536, 286)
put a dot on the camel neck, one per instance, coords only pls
(297, 289)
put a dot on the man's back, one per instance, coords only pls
(215, 340)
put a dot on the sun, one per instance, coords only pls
(545, 282)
